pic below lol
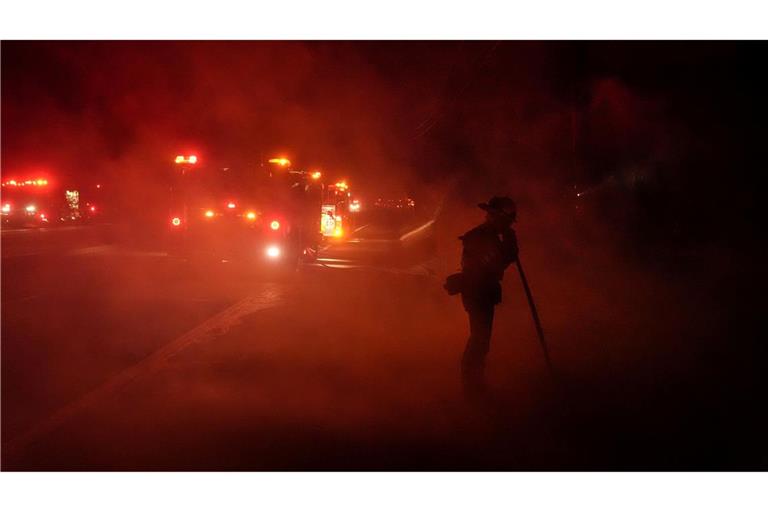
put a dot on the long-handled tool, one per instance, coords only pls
(535, 315)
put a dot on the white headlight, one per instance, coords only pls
(273, 251)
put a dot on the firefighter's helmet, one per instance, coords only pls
(500, 205)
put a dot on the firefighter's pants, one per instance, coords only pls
(478, 344)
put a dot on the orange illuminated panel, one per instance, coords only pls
(337, 230)
(328, 222)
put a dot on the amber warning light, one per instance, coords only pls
(191, 159)
(282, 162)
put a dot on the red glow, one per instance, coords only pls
(231, 205)
(176, 221)
(93, 208)
(275, 225)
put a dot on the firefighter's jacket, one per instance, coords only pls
(485, 257)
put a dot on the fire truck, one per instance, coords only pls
(26, 202)
(261, 213)
(36, 202)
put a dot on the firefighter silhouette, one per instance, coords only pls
(488, 250)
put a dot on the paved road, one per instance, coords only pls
(115, 356)
(105, 336)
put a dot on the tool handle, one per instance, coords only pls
(534, 313)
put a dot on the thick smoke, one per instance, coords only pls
(631, 178)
